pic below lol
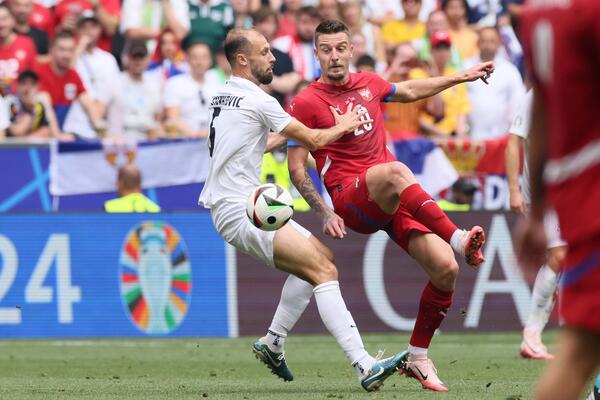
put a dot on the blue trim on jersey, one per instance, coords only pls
(577, 272)
(291, 143)
(370, 222)
(391, 94)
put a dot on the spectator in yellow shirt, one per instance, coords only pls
(455, 99)
(131, 200)
(407, 29)
(464, 38)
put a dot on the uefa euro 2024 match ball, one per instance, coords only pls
(269, 207)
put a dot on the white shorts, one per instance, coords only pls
(552, 228)
(232, 223)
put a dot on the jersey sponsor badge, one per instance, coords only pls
(20, 54)
(70, 91)
(366, 94)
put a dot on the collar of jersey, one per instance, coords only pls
(244, 82)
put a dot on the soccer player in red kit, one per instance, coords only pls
(372, 191)
(562, 43)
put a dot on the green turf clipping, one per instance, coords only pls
(474, 366)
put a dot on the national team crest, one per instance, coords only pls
(70, 91)
(366, 94)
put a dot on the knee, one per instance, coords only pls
(400, 175)
(447, 273)
(323, 271)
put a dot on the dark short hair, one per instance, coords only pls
(310, 11)
(192, 42)
(330, 27)
(137, 48)
(489, 28)
(366, 60)
(445, 5)
(263, 14)
(60, 35)
(28, 75)
(236, 42)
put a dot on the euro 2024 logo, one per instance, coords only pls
(155, 277)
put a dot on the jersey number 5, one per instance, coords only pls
(211, 135)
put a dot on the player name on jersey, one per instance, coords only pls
(228, 101)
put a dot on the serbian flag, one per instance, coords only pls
(428, 162)
(92, 167)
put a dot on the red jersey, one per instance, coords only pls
(63, 89)
(74, 8)
(562, 43)
(14, 58)
(355, 152)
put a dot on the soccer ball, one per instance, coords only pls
(270, 207)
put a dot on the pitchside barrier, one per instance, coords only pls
(171, 275)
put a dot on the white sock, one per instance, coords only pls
(341, 325)
(295, 296)
(542, 298)
(417, 351)
(456, 241)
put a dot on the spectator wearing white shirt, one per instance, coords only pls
(187, 96)
(139, 101)
(493, 105)
(97, 69)
(146, 19)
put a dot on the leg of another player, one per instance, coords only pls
(437, 259)
(393, 184)
(295, 296)
(577, 357)
(542, 303)
(295, 254)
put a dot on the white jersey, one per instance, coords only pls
(242, 116)
(520, 127)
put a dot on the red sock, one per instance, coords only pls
(432, 310)
(425, 210)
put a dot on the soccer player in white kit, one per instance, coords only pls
(542, 299)
(242, 117)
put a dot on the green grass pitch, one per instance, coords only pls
(475, 366)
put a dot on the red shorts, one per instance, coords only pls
(360, 213)
(580, 286)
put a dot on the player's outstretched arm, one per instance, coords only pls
(314, 139)
(416, 89)
(333, 225)
(512, 159)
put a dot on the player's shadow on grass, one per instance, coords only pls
(290, 389)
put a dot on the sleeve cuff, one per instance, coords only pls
(391, 94)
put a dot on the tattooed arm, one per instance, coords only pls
(333, 225)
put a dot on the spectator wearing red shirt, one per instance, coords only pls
(287, 21)
(22, 11)
(17, 52)
(62, 83)
(42, 18)
(68, 12)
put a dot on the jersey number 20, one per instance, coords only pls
(211, 134)
(364, 127)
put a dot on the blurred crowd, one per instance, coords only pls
(146, 69)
